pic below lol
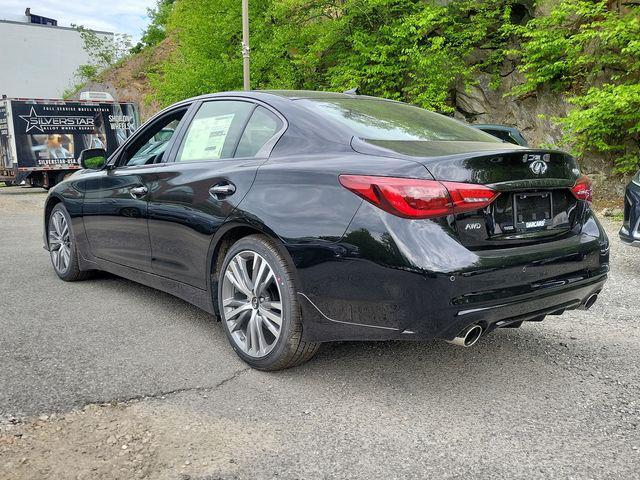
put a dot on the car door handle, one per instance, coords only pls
(138, 192)
(222, 190)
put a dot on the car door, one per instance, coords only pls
(211, 171)
(115, 209)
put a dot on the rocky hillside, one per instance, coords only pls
(129, 81)
(533, 115)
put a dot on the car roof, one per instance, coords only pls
(320, 95)
(285, 102)
(285, 94)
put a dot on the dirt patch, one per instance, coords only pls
(21, 200)
(125, 441)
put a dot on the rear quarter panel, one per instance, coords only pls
(300, 199)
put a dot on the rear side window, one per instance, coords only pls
(261, 128)
(214, 131)
(373, 119)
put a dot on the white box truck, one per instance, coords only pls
(40, 140)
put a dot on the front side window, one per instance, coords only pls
(373, 119)
(149, 148)
(214, 131)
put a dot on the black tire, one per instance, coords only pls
(71, 271)
(8, 183)
(289, 349)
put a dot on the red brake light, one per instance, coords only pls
(468, 197)
(417, 198)
(583, 190)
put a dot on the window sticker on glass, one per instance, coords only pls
(206, 138)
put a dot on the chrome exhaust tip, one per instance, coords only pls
(467, 337)
(588, 303)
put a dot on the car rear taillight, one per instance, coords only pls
(417, 198)
(583, 190)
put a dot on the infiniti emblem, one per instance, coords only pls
(539, 167)
(538, 162)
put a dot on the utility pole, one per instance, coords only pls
(245, 44)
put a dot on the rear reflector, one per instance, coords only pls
(417, 198)
(583, 190)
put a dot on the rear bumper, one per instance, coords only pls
(528, 307)
(322, 328)
(630, 231)
(354, 291)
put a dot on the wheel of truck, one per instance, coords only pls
(62, 245)
(259, 306)
(9, 183)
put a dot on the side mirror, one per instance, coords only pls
(93, 158)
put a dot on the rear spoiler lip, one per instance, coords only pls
(370, 147)
(532, 183)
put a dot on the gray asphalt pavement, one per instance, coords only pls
(122, 381)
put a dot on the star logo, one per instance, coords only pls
(32, 120)
(56, 122)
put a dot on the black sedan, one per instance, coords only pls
(630, 231)
(299, 218)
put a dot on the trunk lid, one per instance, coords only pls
(535, 203)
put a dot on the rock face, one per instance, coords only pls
(532, 115)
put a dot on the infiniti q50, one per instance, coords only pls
(298, 218)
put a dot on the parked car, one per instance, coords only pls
(503, 132)
(304, 217)
(630, 231)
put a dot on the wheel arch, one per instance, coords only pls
(225, 237)
(50, 204)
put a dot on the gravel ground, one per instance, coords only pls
(109, 379)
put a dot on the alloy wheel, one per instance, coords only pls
(252, 304)
(59, 242)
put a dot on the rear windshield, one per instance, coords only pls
(372, 119)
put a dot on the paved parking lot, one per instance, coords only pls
(110, 379)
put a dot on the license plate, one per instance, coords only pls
(532, 211)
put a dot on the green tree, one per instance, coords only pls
(419, 51)
(156, 31)
(207, 55)
(590, 51)
(409, 50)
(103, 51)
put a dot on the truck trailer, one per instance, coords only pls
(41, 139)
